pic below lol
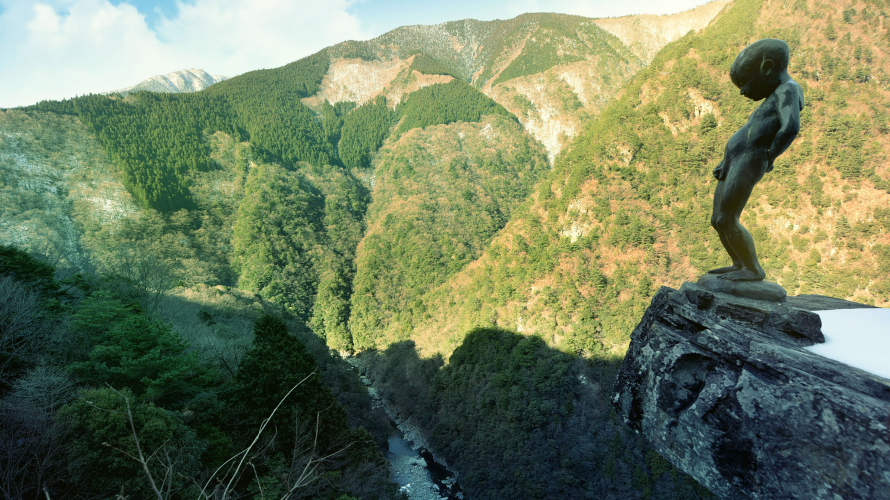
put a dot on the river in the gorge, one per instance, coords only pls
(413, 468)
(417, 474)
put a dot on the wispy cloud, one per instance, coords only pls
(60, 48)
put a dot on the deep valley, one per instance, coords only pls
(471, 216)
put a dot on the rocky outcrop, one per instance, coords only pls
(724, 389)
(646, 34)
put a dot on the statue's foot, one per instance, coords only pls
(724, 270)
(744, 275)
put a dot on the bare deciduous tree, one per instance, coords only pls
(32, 455)
(151, 274)
(20, 326)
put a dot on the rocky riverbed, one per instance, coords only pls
(414, 468)
(411, 473)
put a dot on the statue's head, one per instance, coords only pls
(758, 68)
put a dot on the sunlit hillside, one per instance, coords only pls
(476, 214)
(627, 208)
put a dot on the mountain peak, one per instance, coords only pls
(186, 80)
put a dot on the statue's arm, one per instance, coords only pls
(719, 172)
(790, 103)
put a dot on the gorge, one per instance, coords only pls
(478, 212)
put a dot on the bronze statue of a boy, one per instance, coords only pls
(760, 72)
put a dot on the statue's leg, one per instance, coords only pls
(736, 263)
(736, 191)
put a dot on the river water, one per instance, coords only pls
(413, 468)
(417, 474)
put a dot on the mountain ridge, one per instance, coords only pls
(398, 228)
(553, 84)
(184, 80)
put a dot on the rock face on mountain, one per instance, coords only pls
(647, 34)
(723, 389)
(186, 80)
(553, 71)
(54, 178)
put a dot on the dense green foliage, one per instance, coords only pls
(277, 367)
(429, 65)
(144, 356)
(108, 384)
(278, 226)
(27, 269)
(364, 130)
(443, 104)
(295, 239)
(267, 104)
(100, 436)
(441, 194)
(525, 421)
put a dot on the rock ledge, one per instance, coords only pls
(723, 388)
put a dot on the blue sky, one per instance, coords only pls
(152, 9)
(54, 49)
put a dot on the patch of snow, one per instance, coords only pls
(857, 337)
(186, 80)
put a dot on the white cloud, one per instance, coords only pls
(237, 35)
(55, 49)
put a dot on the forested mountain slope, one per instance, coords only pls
(440, 195)
(627, 207)
(625, 210)
(552, 71)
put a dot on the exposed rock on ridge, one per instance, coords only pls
(186, 80)
(551, 103)
(646, 34)
(723, 389)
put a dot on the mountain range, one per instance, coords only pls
(477, 212)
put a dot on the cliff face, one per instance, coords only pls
(723, 389)
(54, 178)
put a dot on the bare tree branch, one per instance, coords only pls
(141, 458)
(246, 452)
(19, 322)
